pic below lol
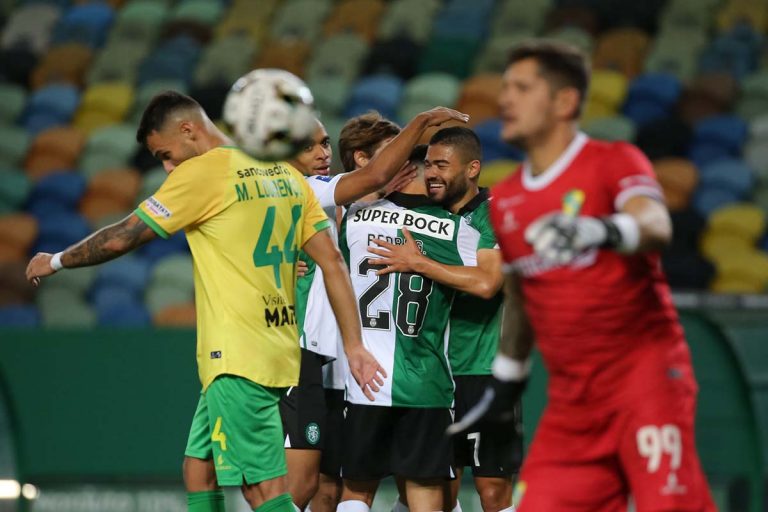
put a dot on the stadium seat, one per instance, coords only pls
(398, 57)
(63, 188)
(716, 245)
(424, 92)
(685, 16)
(607, 92)
(174, 59)
(718, 137)
(665, 137)
(50, 106)
(14, 142)
(160, 248)
(359, 17)
(330, 93)
(64, 308)
(288, 54)
(30, 25)
(340, 56)
(181, 315)
(742, 272)
(408, 19)
(21, 315)
(493, 58)
(623, 50)
(57, 232)
(708, 199)
(66, 63)
(12, 100)
(462, 20)
(14, 190)
(110, 192)
(130, 272)
(679, 178)
(448, 54)
(675, 53)
(125, 315)
(174, 271)
(742, 219)
(489, 133)
(87, 24)
(651, 97)
(225, 60)
(756, 156)
(729, 55)
(146, 92)
(479, 97)
(77, 280)
(300, 19)
(709, 94)
(611, 128)
(563, 15)
(733, 175)
(160, 297)
(518, 16)
(494, 171)
(52, 150)
(737, 12)
(378, 92)
(110, 146)
(18, 231)
(206, 12)
(14, 288)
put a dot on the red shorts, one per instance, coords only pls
(583, 460)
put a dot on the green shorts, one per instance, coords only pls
(237, 424)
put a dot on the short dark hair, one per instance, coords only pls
(561, 64)
(418, 153)
(461, 137)
(364, 133)
(160, 107)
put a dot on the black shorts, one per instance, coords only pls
(490, 451)
(330, 462)
(408, 442)
(302, 408)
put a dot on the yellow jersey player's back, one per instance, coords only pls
(245, 221)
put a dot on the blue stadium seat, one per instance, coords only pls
(731, 54)
(158, 249)
(133, 314)
(728, 175)
(88, 24)
(58, 231)
(130, 272)
(174, 59)
(108, 296)
(378, 92)
(64, 188)
(708, 199)
(651, 97)
(52, 105)
(19, 315)
(494, 148)
(718, 137)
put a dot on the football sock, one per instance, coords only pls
(282, 503)
(206, 501)
(353, 506)
(399, 507)
(296, 508)
(457, 508)
(508, 509)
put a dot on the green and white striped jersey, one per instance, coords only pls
(405, 316)
(475, 322)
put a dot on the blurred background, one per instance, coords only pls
(97, 373)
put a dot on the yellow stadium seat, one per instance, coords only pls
(745, 220)
(716, 246)
(608, 87)
(495, 171)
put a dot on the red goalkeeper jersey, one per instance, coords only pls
(605, 323)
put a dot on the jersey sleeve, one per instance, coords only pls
(467, 243)
(314, 218)
(631, 174)
(324, 188)
(501, 221)
(188, 196)
(482, 223)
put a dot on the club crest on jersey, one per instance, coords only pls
(417, 222)
(312, 433)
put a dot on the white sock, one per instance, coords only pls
(296, 508)
(399, 507)
(309, 508)
(353, 506)
(457, 508)
(510, 508)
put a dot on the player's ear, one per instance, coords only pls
(186, 128)
(473, 169)
(567, 102)
(361, 158)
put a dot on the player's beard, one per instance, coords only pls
(454, 191)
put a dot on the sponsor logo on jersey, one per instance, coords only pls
(216, 354)
(312, 433)
(417, 222)
(673, 487)
(157, 208)
(280, 316)
(326, 179)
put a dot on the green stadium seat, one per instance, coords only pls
(77, 280)
(14, 189)
(426, 91)
(173, 271)
(525, 16)
(152, 181)
(64, 308)
(225, 60)
(161, 296)
(12, 99)
(206, 12)
(493, 57)
(14, 142)
(573, 35)
(449, 55)
(341, 56)
(411, 19)
(108, 148)
(300, 19)
(147, 91)
(611, 128)
(330, 93)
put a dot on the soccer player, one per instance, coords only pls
(453, 165)
(303, 409)
(580, 226)
(245, 222)
(404, 318)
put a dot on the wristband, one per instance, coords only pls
(56, 262)
(507, 369)
(622, 232)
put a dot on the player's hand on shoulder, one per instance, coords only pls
(39, 266)
(559, 238)
(366, 371)
(301, 268)
(440, 115)
(394, 257)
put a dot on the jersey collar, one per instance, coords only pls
(531, 182)
(410, 200)
(474, 203)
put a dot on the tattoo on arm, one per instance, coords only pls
(108, 243)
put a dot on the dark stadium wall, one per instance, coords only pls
(115, 405)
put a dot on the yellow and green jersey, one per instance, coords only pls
(245, 222)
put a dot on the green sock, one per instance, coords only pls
(206, 501)
(283, 503)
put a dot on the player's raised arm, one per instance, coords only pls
(382, 168)
(483, 280)
(364, 368)
(105, 244)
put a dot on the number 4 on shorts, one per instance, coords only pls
(265, 255)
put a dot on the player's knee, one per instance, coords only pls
(495, 496)
(199, 475)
